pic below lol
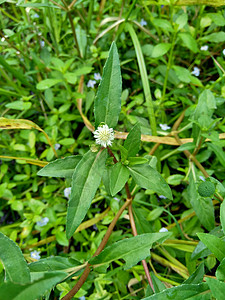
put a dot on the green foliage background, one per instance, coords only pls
(49, 52)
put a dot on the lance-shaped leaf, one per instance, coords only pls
(61, 167)
(13, 261)
(108, 99)
(85, 181)
(184, 291)
(215, 244)
(148, 178)
(33, 290)
(133, 140)
(119, 175)
(132, 250)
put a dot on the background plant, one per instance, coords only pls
(46, 84)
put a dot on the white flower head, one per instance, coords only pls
(104, 135)
(91, 83)
(44, 221)
(67, 192)
(143, 22)
(223, 51)
(164, 126)
(35, 254)
(57, 146)
(2, 39)
(163, 229)
(196, 71)
(97, 76)
(204, 48)
(42, 43)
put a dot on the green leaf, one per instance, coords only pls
(183, 291)
(217, 288)
(85, 181)
(222, 215)
(203, 207)
(217, 37)
(119, 175)
(132, 250)
(133, 140)
(160, 49)
(137, 161)
(220, 272)
(47, 83)
(149, 178)
(13, 261)
(107, 103)
(189, 41)
(214, 244)
(218, 150)
(57, 263)
(33, 290)
(62, 167)
(197, 276)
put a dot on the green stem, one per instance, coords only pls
(168, 66)
(144, 78)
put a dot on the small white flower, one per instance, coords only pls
(42, 43)
(223, 51)
(196, 71)
(35, 254)
(57, 146)
(27, 9)
(91, 83)
(104, 135)
(36, 16)
(67, 192)
(143, 22)
(163, 229)
(204, 48)
(17, 52)
(2, 39)
(162, 197)
(44, 221)
(97, 76)
(164, 126)
(202, 178)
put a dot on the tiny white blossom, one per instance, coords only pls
(17, 52)
(57, 146)
(27, 9)
(2, 39)
(163, 229)
(164, 126)
(97, 76)
(91, 83)
(143, 22)
(162, 197)
(42, 43)
(35, 254)
(44, 221)
(196, 71)
(104, 135)
(223, 51)
(67, 192)
(204, 48)
(202, 178)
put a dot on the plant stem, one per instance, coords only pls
(74, 32)
(134, 230)
(168, 66)
(87, 270)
